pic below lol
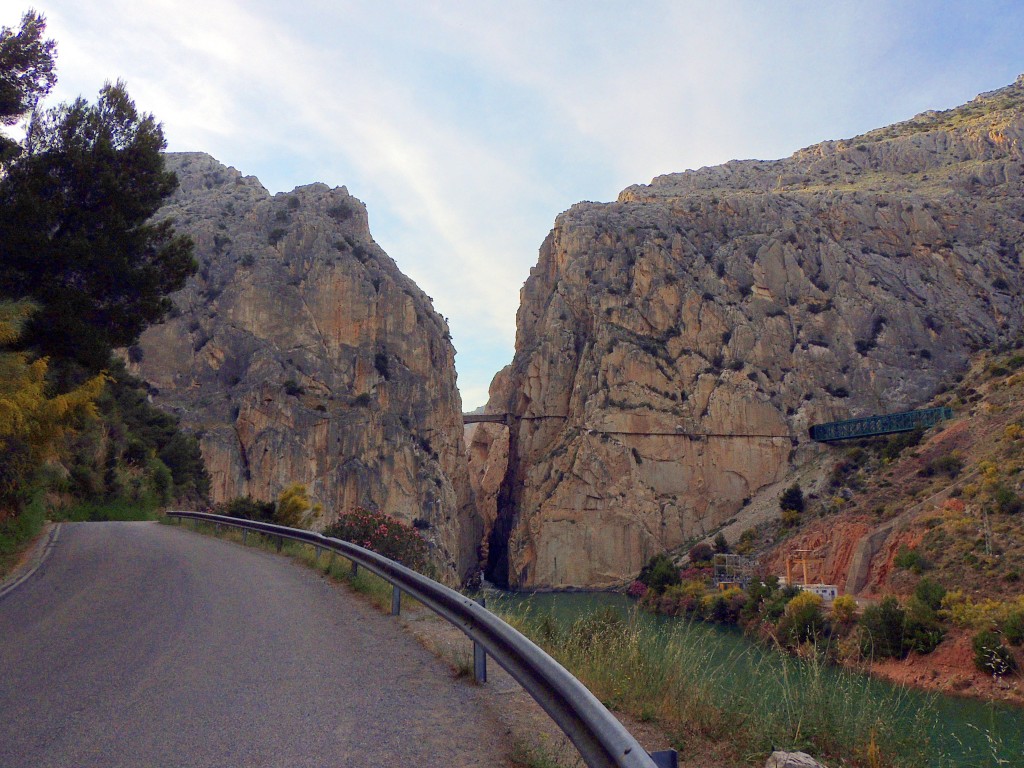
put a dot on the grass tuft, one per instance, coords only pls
(16, 532)
(119, 509)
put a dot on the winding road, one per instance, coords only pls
(138, 644)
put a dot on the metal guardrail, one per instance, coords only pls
(600, 738)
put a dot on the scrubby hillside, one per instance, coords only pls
(949, 506)
(936, 515)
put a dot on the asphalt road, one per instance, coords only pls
(137, 644)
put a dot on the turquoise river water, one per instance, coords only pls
(964, 731)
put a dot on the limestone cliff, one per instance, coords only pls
(300, 353)
(674, 346)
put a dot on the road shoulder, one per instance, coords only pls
(31, 559)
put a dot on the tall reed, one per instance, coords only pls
(752, 700)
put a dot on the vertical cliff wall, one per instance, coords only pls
(300, 353)
(674, 346)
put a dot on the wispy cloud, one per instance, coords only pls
(467, 127)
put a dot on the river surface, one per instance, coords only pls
(964, 730)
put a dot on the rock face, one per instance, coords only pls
(674, 346)
(300, 353)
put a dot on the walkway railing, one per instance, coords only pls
(886, 424)
(600, 738)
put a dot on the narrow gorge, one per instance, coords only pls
(672, 349)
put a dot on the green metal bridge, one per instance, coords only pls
(879, 425)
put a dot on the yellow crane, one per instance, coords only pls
(803, 558)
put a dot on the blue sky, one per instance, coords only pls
(466, 127)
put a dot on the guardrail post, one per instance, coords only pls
(216, 530)
(245, 535)
(195, 524)
(330, 560)
(280, 543)
(479, 654)
(355, 569)
(316, 554)
(667, 758)
(396, 600)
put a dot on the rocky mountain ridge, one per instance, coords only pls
(674, 346)
(300, 353)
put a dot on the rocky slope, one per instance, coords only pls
(300, 353)
(674, 346)
(948, 507)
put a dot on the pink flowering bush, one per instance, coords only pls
(383, 534)
(697, 574)
(637, 589)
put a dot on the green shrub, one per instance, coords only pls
(883, 630)
(923, 630)
(758, 594)
(659, 573)
(19, 529)
(792, 499)
(844, 610)
(990, 655)
(683, 599)
(247, 508)
(775, 604)
(160, 482)
(895, 445)
(716, 608)
(930, 593)
(721, 545)
(86, 481)
(912, 560)
(1006, 500)
(701, 553)
(802, 620)
(182, 456)
(1013, 628)
(129, 437)
(949, 465)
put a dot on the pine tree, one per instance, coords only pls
(75, 229)
(26, 74)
